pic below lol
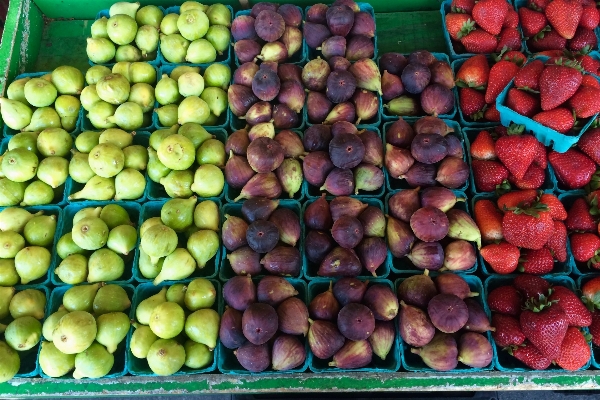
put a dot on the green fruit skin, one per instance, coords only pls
(200, 293)
(130, 184)
(90, 233)
(11, 362)
(149, 223)
(141, 340)
(73, 269)
(40, 230)
(136, 157)
(53, 362)
(97, 188)
(202, 326)
(6, 295)
(15, 219)
(19, 165)
(165, 357)
(66, 246)
(203, 246)
(95, 73)
(201, 51)
(121, 29)
(10, 244)
(176, 152)
(206, 215)
(159, 241)
(146, 306)
(106, 160)
(80, 298)
(142, 72)
(122, 239)
(178, 184)
(117, 137)
(178, 214)
(8, 273)
(38, 193)
(110, 299)
(23, 333)
(86, 141)
(112, 329)
(32, 263)
(105, 265)
(54, 142)
(167, 320)
(176, 294)
(75, 332)
(94, 362)
(178, 265)
(193, 24)
(147, 269)
(212, 152)
(79, 168)
(208, 181)
(11, 193)
(114, 215)
(51, 322)
(197, 355)
(173, 47)
(28, 303)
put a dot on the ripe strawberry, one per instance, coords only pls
(464, 6)
(510, 38)
(534, 178)
(459, 25)
(531, 286)
(595, 328)
(588, 63)
(479, 42)
(541, 158)
(532, 22)
(537, 262)
(513, 56)
(560, 119)
(505, 300)
(584, 41)
(589, 143)
(591, 292)
(508, 331)
(557, 243)
(517, 198)
(472, 102)
(529, 355)
(474, 72)
(490, 15)
(558, 83)
(590, 17)
(575, 350)
(522, 102)
(557, 209)
(489, 220)
(529, 228)
(577, 313)
(547, 40)
(502, 257)
(579, 218)
(564, 16)
(517, 152)
(511, 20)
(483, 147)
(500, 75)
(528, 77)
(585, 102)
(573, 168)
(492, 114)
(590, 81)
(488, 175)
(584, 246)
(538, 5)
(544, 325)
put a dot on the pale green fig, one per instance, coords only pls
(173, 47)
(116, 136)
(177, 266)
(37, 193)
(158, 241)
(113, 89)
(109, 299)
(183, 69)
(23, 333)
(10, 244)
(128, 115)
(124, 7)
(15, 218)
(6, 295)
(68, 123)
(87, 212)
(167, 115)
(80, 298)
(212, 151)
(11, 362)
(168, 25)
(122, 239)
(190, 84)
(54, 142)
(123, 68)
(200, 293)
(203, 246)
(146, 306)
(19, 165)
(167, 320)
(141, 340)
(192, 5)
(51, 322)
(89, 97)
(165, 357)
(96, 72)
(68, 80)
(99, 114)
(192, 24)
(206, 215)
(149, 15)
(75, 332)
(219, 37)
(193, 109)
(121, 29)
(94, 362)
(178, 214)
(99, 28)
(156, 169)
(54, 362)
(100, 50)
(112, 329)
(219, 14)
(79, 168)
(197, 355)
(216, 99)
(67, 106)
(90, 233)
(128, 53)
(176, 294)
(86, 141)
(167, 91)
(178, 184)
(73, 269)
(146, 39)
(136, 157)
(202, 326)
(217, 75)
(142, 72)
(43, 118)
(201, 51)
(106, 160)
(40, 93)
(24, 140)
(142, 94)
(114, 215)
(15, 114)
(130, 184)
(195, 132)
(150, 222)
(8, 273)
(16, 90)
(176, 152)
(40, 230)
(27, 303)
(53, 171)
(147, 269)
(105, 265)
(11, 193)
(66, 246)
(208, 181)
(32, 263)
(159, 135)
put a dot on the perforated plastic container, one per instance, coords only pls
(578, 268)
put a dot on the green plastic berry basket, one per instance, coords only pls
(582, 280)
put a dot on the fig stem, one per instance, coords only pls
(473, 294)
(332, 364)
(415, 351)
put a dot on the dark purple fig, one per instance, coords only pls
(354, 354)
(421, 57)
(259, 323)
(428, 148)
(324, 339)
(317, 245)
(364, 24)
(273, 290)
(437, 100)
(340, 86)
(454, 146)
(269, 25)
(359, 47)
(339, 182)
(391, 86)
(382, 301)
(316, 166)
(261, 6)
(478, 320)
(291, 14)
(315, 34)
(346, 150)
(439, 197)
(453, 172)
(324, 306)
(398, 161)
(233, 232)
(271, 65)
(426, 255)
(414, 325)
(317, 138)
(340, 262)
(242, 27)
(273, 51)
(264, 129)
(347, 232)
(383, 338)
(448, 312)
(450, 283)
(429, 224)
(367, 177)
(293, 317)
(237, 171)
(393, 63)
(415, 77)
(317, 13)
(356, 321)
(247, 50)
(474, 350)
(340, 20)
(244, 74)
(245, 261)
(240, 99)
(259, 112)
(284, 117)
(318, 107)
(366, 104)
(239, 292)
(442, 73)
(237, 142)
(253, 358)
(459, 255)
(265, 155)
(317, 215)
(289, 72)
(441, 354)
(334, 46)
(258, 208)
(262, 236)
(373, 222)
(417, 290)
(431, 124)
(292, 40)
(337, 63)
(403, 204)
(266, 84)
(293, 95)
(349, 290)
(399, 134)
(288, 224)
(288, 352)
(403, 106)
(372, 252)
(420, 174)
(315, 73)
(230, 330)
(400, 237)
(283, 261)
(373, 147)
(349, 3)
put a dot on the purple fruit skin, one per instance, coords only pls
(234, 232)
(403, 204)
(415, 78)
(288, 224)
(317, 14)
(230, 330)
(474, 350)
(450, 283)
(478, 320)
(364, 24)
(368, 178)
(242, 27)
(343, 127)
(414, 326)
(262, 236)
(317, 138)
(334, 46)
(315, 73)
(373, 148)
(261, 6)
(271, 65)
(254, 358)
(437, 100)
(238, 172)
(246, 50)
(398, 161)
(284, 117)
(237, 142)
(383, 338)
(347, 232)
(453, 172)
(426, 255)
(421, 57)
(340, 262)
(318, 107)
(400, 237)
(340, 20)
(339, 63)
(291, 143)
(356, 321)
(245, 261)
(273, 290)
(429, 124)
(291, 14)
(283, 261)
(367, 105)
(262, 185)
(259, 112)
(244, 74)
(269, 25)
(324, 306)
(354, 354)
(258, 208)
(266, 84)
(391, 86)
(324, 339)
(317, 215)
(399, 134)
(339, 182)
(240, 98)
(344, 206)
(289, 72)
(417, 290)
(239, 292)
(438, 197)
(293, 317)
(292, 94)
(265, 155)
(316, 166)
(393, 63)
(459, 255)
(454, 145)
(448, 313)
(340, 86)
(429, 224)
(360, 46)
(373, 221)
(420, 174)
(341, 112)
(315, 34)
(349, 290)
(317, 245)
(441, 73)
(292, 40)
(349, 3)
(428, 148)
(441, 354)
(288, 353)
(382, 301)
(346, 150)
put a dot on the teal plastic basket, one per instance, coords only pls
(139, 367)
(310, 269)
(595, 350)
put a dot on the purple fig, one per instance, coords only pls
(439, 197)
(442, 73)
(317, 138)
(474, 350)
(422, 57)
(349, 290)
(414, 325)
(293, 317)
(340, 86)
(373, 147)
(253, 358)
(289, 72)
(324, 339)
(262, 236)
(233, 233)
(259, 323)
(261, 185)
(324, 305)
(448, 312)
(346, 150)
(273, 51)
(237, 142)
(265, 155)
(292, 94)
(261, 6)
(246, 50)
(459, 255)
(341, 112)
(258, 208)
(359, 47)
(259, 112)
(404, 106)
(291, 143)
(318, 107)
(317, 215)
(420, 175)
(237, 171)
(373, 221)
(463, 227)
(315, 34)
(417, 290)
(383, 338)
(382, 301)
(372, 253)
(288, 224)
(441, 354)
(317, 245)
(273, 66)
(431, 124)
(364, 24)
(427, 255)
(403, 204)
(398, 161)
(240, 99)
(340, 20)
(349, 3)
(266, 84)
(391, 86)
(399, 134)
(356, 321)
(340, 262)
(367, 105)
(292, 40)
(245, 261)
(393, 63)
(334, 46)
(415, 77)
(284, 117)
(239, 292)
(283, 261)
(354, 354)
(347, 232)
(316, 166)
(428, 148)
(244, 74)
(269, 25)
(291, 14)
(454, 146)
(429, 224)
(450, 283)
(452, 172)
(230, 330)
(478, 320)
(367, 75)
(339, 182)
(315, 73)
(288, 352)
(400, 237)
(437, 100)
(317, 13)
(337, 63)
(273, 290)
(242, 27)
(367, 177)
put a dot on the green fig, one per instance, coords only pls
(87, 212)
(142, 72)
(206, 215)
(121, 29)
(149, 15)
(190, 84)
(68, 80)
(8, 273)
(98, 29)
(147, 268)
(200, 293)
(32, 263)
(15, 114)
(196, 133)
(201, 51)
(203, 246)
(54, 362)
(25, 140)
(150, 222)
(106, 160)
(54, 142)
(159, 135)
(19, 165)
(75, 332)
(94, 362)
(37, 193)
(6, 295)
(86, 141)
(90, 233)
(167, 91)
(219, 14)
(123, 68)
(219, 37)
(178, 214)
(43, 118)
(40, 93)
(73, 269)
(99, 114)
(10, 244)
(100, 50)
(112, 329)
(141, 340)
(130, 184)
(123, 7)
(97, 188)
(68, 123)
(212, 151)
(128, 53)
(176, 294)
(143, 95)
(15, 218)
(117, 137)
(192, 5)
(79, 168)
(122, 239)
(66, 246)
(11, 363)
(202, 326)
(177, 266)
(136, 157)
(113, 89)
(93, 74)
(208, 181)
(114, 215)
(16, 90)
(39, 231)
(51, 322)
(216, 99)
(173, 47)
(183, 69)
(11, 193)
(192, 24)
(165, 357)
(193, 109)
(167, 320)
(105, 265)
(146, 306)
(176, 152)
(178, 183)
(109, 299)
(168, 25)
(128, 115)
(197, 355)
(67, 106)
(217, 75)
(89, 97)
(53, 171)
(23, 333)
(146, 39)
(80, 298)
(167, 115)
(159, 241)
(27, 303)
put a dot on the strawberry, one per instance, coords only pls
(529, 228)
(502, 257)
(483, 147)
(584, 41)
(544, 325)
(558, 83)
(531, 286)
(557, 243)
(538, 5)
(472, 102)
(537, 262)
(547, 39)
(579, 217)
(522, 102)
(492, 114)
(529, 355)
(557, 209)
(585, 246)
(511, 20)
(510, 38)
(490, 15)
(560, 119)
(518, 198)
(588, 63)
(585, 102)
(575, 350)
(528, 77)
(474, 72)
(589, 143)
(488, 219)
(488, 175)
(459, 25)
(577, 313)
(508, 331)
(541, 158)
(464, 6)
(479, 42)
(590, 81)
(516, 151)
(564, 16)
(534, 178)
(591, 292)
(500, 75)
(573, 168)
(532, 22)
(513, 56)
(505, 300)
(595, 328)
(590, 17)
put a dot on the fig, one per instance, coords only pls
(240, 99)
(417, 290)
(415, 77)
(364, 24)
(367, 75)
(346, 150)
(292, 95)
(317, 138)
(291, 14)
(356, 321)
(349, 3)
(368, 178)
(252, 357)
(259, 112)
(261, 185)
(400, 237)
(437, 100)
(463, 227)
(283, 260)
(275, 51)
(317, 245)
(237, 143)
(317, 215)
(420, 174)
(454, 146)
(474, 350)
(234, 232)
(447, 312)
(293, 317)
(478, 320)
(382, 301)
(343, 127)
(459, 255)
(354, 354)
(429, 148)
(264, 155)
(347, 232)
(266, 84)
(262, 236)
(340, 20)
(244, 74)
(403, 204)
(403, 106)
(431, 124)
(442, 74)
(391, 86)
(261, 6)
(453, 172)
(273, 290)
(373, 221)
(349, 290)
(264, 129)
(453, 284)
(239, 292)
(245, 261)
(324, 306)
(414, 325)
(359, 47)
(339, 182)
(317, 13)
(341, 112)
(288, 351)
(269, 25)
(344, 206)
(439, 197)
(429, 224)
(315, 34)
(318, 107)
(427, 255)
(237, 171)
(259, 323)
(422, 57)
(288, 224)
(291, 143)
(337, 63)
(324, 339)
(373, 148)
(382, 339)
(398, 161)
(340, 262)
(292, 40)
(258, 208)
(441, 354)
(366, 104)
(334, 46)
(284, 117)
(242, 28)
(340, 86)
(394, 63)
